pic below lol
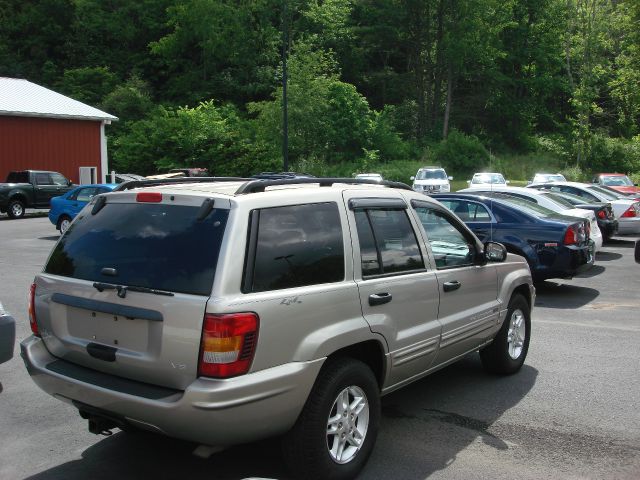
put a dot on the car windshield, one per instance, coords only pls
(616, 181)
(566, 199)
(495, 178)
(431, 175)
(604, 193)
(549, 177)
(165, 247)
(370, 176)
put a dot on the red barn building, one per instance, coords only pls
(44, 130)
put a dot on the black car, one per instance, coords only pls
(554, 245)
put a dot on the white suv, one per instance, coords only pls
(431, 180)
(223, 311)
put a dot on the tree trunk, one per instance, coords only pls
(437, 83)
(447, 109)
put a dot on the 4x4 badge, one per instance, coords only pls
(290, 301)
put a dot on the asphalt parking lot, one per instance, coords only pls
(571, 412)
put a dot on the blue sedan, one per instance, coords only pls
(65, 207)
(554, 245)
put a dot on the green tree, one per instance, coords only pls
(88, 84)
(208, 135)
(220, 48)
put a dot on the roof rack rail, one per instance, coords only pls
(167, 181)
(253, 185)
(256, 186)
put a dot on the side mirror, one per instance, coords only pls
(635, 184)
(529, 182)
(637, 251)
(468, 182)
(69, 183)
(412, 177)
(450, 178)
(507, 182)
(495, 252)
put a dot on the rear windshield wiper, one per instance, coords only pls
(122, 289)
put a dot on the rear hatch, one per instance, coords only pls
(124, 290)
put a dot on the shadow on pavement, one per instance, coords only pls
(593, 271)
(440, 415)
(563, 296)
(125, 456)
(53, 238)
(427, 424)
(607, 256)
(620, 242)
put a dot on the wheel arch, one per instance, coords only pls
(20, 197)
(525, 291)
(370, 352)
(60, 217)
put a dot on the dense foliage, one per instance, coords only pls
(372, 83)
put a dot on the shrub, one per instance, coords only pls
(461, 153)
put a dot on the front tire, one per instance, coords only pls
(16, 209)
(337, 429)
(509, 349)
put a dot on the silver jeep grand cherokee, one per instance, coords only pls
(223, 311)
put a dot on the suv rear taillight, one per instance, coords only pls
(32, 310)
(602, 214)
(228, 344)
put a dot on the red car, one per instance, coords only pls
(617, 181)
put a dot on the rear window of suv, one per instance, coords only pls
(158, 246)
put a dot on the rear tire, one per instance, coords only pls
(509, 349)
(63, 223)
(16, 209)
(337, 429)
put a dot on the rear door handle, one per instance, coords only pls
(451, 286)
(379, 299)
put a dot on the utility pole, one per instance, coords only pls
(285, 116)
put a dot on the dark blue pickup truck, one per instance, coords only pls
(31, 189)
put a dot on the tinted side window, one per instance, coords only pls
(18, 177)
(388, 243)
(449, 244)
(296, 246)
(86, 194)
(43, 179)
(58, 179)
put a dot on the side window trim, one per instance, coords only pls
(250, 253)
(374, 203)
(375, 242)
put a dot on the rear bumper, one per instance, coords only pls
(210, 411)
(608, 227)
(564, 262)
(629, 226)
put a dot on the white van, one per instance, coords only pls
(431, 180)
